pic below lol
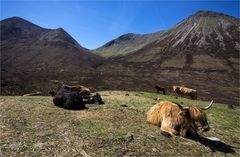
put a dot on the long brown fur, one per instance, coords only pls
(171, 117)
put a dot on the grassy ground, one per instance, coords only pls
(33, 126)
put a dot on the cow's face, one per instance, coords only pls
(199, 118)
(203, 125)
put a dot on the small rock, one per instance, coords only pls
(39, 145)
(2, 126)
(212, 128)
(129, 137)
(154, 149)
(63, 126)
(39, 125)
(151, 137)
(84, 154)
(15, 146)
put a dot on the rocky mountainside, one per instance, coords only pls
(201, 52)
(126, 43)
(31, 55)
(205, 32)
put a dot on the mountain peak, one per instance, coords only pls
(207, 13)
(15, 20)
(60, 29)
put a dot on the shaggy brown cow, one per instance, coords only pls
(160, 89)
(33, 94)
(177, 120)
(185, 91)
(172, 118)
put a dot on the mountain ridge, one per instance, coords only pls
(199, 14)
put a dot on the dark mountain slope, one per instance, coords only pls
(30, 53)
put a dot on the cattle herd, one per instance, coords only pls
(179, 90)
(172, 118)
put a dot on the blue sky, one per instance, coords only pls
(93, 23)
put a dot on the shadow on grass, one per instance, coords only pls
(213, 145)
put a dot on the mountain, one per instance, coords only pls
(32, 55)
(126, 43)
(201, 52)
(205, 32)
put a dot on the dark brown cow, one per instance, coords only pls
(160, 89)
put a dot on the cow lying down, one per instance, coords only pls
(174, 119)
(72, 98)
(68, 98)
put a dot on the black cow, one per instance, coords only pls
(160, 89)
(68, 98)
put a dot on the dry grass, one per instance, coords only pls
(33, 126)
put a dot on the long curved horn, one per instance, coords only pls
(207, 107)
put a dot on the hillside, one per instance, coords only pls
(200, 52)
(33, 126)
(126, 43)
(31, 56)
